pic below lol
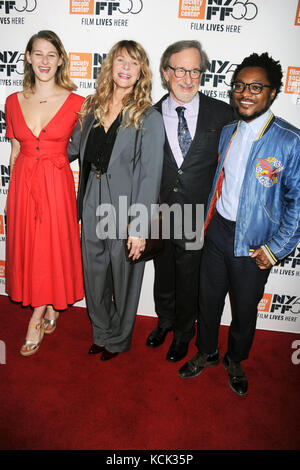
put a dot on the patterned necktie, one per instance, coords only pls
(184, 136)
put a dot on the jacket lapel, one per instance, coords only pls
(86, 127)
(124, 135)
(168, 150)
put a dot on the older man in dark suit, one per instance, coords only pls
(193, 122)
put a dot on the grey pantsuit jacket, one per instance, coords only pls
(112, 285)
(148, 170)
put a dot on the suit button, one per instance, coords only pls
(98, 174)
(180, 172)
(175, 190)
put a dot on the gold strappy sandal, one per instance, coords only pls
(35, 344)
(52, 323)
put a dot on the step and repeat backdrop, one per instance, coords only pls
(229, 30)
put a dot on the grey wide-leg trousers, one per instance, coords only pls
(112, 285)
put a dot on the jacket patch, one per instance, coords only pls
(268, 171)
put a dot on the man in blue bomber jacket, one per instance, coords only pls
(253, 214)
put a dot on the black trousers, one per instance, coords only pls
(222, 272)
(176, 286)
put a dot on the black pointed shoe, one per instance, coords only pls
(236, 376)
(95, 349)
(107, 355)
(177, 351)
(197, 364)
(157, 337)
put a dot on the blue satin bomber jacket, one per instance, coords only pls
(269, 205)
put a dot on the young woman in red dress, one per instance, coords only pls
(43, 259)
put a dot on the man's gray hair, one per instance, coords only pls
(180, 46)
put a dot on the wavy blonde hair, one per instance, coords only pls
(62, 74)
(135, 103)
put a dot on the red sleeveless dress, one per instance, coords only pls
(43, 256)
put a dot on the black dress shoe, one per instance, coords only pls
(197, 364)
(157, 337)
(177, 351)
(95, 349)
(107, 355)
(237, 378)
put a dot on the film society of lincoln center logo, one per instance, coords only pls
(2, 269)
(2, 226)
(297, 19)
(85, 66)
(103, 8)
(292, 84)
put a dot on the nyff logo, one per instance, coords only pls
(280, 304)
(292, 260)
(4, 176)
(19, 6)
(2, 122)
(217, 10)
(220, 71)
(85, 64)
(11, 61)
(92, 7)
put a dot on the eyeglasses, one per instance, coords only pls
(179, 72)
(254, 88)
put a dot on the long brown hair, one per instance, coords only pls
(134, 104)
(62, 74)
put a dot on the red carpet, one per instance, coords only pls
(63, 399)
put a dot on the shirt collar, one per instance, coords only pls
(256, 125)
(192, 107)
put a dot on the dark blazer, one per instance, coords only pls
(191, 183)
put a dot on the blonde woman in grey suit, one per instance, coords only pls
(104, 140)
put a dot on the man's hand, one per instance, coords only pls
(262, 260)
